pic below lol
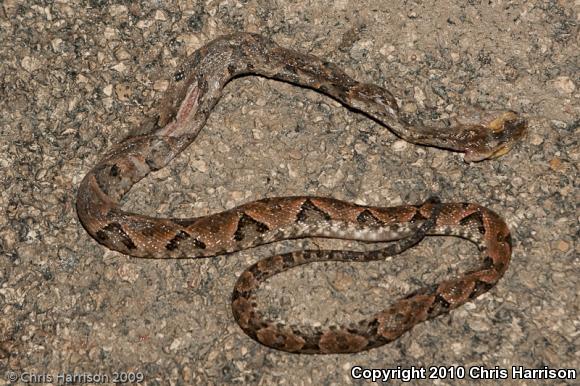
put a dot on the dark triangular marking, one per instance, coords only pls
(439, 306)
(499, 266)
(501, 238)
(102, 235)
(249, 226)
(180, 236)
(474, 218)
(116, 229)
(310, 212)
(199, 244)
(487, 262)
(418, 216)
(367, 218)
(508, 239)
(288, 259)
(174, 242)
(480, 288)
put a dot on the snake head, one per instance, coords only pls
(494, 135)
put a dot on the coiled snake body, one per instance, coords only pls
(197, 88)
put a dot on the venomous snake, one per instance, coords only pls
(196, 89)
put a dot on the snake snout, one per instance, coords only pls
(497, 137)
(506, 131)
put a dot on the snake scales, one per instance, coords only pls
(195, 90)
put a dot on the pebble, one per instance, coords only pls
(200, 165)
(564, 85)
(556, 164)
(128, 273)
(563, 246)
(536, 139)
(399, 145)
(123, 91)
(161, 85)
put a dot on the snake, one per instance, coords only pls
(193, 92)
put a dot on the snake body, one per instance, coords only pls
(196, 89)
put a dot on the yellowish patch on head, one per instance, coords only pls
(497, 124)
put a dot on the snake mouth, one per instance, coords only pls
(501, 134)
